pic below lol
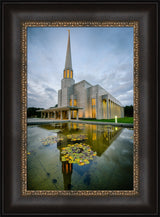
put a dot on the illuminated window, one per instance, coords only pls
(93, 112)
(104, 108)
(74, 116)
(70, 103)
(71, 74)
(64, 73)
(93, 101)
(93, 108)
(67, 73)
(75, 102)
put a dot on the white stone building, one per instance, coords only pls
(82, 100)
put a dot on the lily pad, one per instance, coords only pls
(50, 140)
(80, 154)
(75, 137)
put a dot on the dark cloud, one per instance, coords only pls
(126, 98)
(50, 93)
(121, 89)
(41, 96)
(50, 90)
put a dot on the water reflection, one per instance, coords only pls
(99, 138)
(78, 153)
(67, 173)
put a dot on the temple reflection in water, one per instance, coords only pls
(67, 173)
(98, 137)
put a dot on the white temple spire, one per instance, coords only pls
(68, 80)
(68, 63)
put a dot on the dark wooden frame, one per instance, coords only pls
(13, 15)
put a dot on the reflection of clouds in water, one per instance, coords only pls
(120, 151)
(127, 134)
(112, 147)
(125, 151)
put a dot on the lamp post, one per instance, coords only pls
(115, 119)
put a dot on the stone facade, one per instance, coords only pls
(95, 101)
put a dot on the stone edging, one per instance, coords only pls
(79, 121)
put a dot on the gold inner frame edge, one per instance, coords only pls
(24, 191)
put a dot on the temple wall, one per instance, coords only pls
(64, 97)
(67, 82)
(81, 94)
(100, 92)
(59, 98)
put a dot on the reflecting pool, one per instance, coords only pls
(74, 156)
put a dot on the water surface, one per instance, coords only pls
(108, 150)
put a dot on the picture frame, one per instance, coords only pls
(27, 26)
(14, 112)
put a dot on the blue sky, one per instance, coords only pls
(101, 56)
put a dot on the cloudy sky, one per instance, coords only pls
(101, 56)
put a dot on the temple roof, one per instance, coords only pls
(64, 108)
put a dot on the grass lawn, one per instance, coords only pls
(128, 120)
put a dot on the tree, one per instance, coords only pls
(32, 112)
(54, 106)
(128, 111)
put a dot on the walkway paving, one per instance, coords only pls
(38, 121)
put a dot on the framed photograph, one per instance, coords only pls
(79, 108)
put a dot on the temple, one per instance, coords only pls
(82, 100)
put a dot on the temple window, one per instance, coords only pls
(93, 108)
(74, 116)
(70, 102)
(104, 108)
(67, 73)
(71, 74)
(93, 101)
(64, 73)
(93, 112)
(75, 102)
